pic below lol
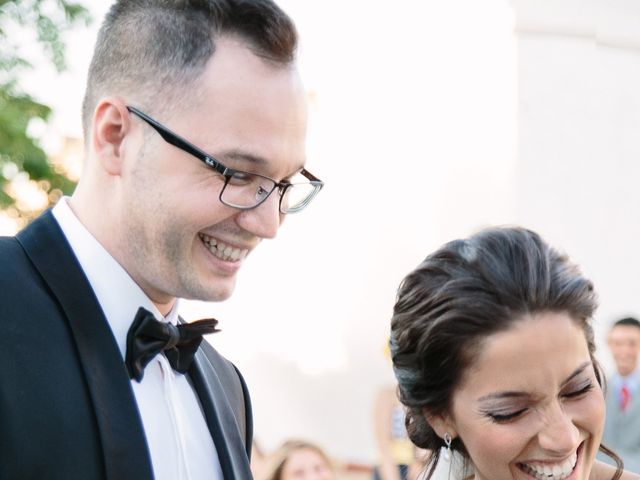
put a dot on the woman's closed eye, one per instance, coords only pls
(502, 417)
(579, 392)
(505, 415)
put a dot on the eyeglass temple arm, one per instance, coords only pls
(179, 142)
(182, 144)
(310, 176)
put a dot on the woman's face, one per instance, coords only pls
(530, 406)
(306, 464)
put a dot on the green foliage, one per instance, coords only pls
(20, 152)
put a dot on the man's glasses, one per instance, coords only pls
(246, 190)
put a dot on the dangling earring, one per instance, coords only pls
(447, 441)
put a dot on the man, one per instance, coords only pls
(622, 426)
(183, 99)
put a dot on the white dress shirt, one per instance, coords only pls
(179, 441)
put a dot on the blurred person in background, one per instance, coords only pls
(258, 459)
(398, 457)
(494, 354)
(622, 425)
(195, 123)
(299, 460)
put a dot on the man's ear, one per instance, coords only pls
(441, 424)
(111, 123)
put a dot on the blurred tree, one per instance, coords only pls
(21, 154)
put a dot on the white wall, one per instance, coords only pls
(578, 149)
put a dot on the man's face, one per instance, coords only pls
(624, 342)
(178, 239)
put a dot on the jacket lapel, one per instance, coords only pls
(220, 419)
(121, 433)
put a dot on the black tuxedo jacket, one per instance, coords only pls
(67, 410)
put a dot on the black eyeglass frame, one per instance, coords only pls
(184, 145)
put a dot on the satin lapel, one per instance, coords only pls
(220, 419)
(124, 445)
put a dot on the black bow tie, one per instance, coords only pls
(147, 337)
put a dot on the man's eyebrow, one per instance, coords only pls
(516, 394)
(240, 155)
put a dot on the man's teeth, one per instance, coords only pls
(222, 250)
(551, 472)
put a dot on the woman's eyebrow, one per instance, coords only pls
(576, 372)
(502, 395)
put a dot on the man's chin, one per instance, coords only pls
(205, 286)
(219, 292)
(218, 296)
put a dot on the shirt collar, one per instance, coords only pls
(632, 381)
(117, 293)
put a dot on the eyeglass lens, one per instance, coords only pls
(246, 190)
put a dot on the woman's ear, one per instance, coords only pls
(441, 424)
(111, 123)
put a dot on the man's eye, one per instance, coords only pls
(241, 178)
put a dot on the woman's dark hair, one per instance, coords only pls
(458, 296)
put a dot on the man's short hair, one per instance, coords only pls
(630, 321)
(154, 49)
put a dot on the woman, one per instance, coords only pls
(494, 355)
(299, 460)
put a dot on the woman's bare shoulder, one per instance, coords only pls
(629, 476)
(603, 471)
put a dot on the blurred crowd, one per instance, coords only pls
(300, 459)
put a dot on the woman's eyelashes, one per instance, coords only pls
(505, 415)
(579, 391)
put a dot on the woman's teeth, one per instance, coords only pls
(222, 250)
(557, 471)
